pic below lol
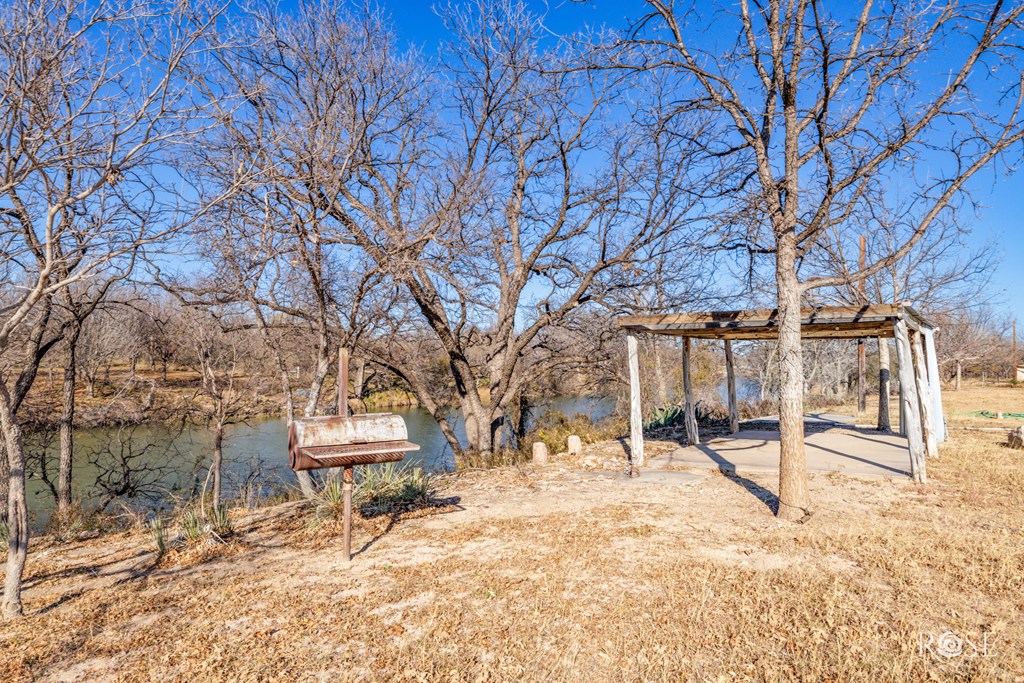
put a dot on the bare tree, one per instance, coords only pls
(966, 337)
(91, 95)
(228, 385)
(499, 198)
(826, 106)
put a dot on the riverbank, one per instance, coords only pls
(568, 572)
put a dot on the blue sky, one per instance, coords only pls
(1000, 218)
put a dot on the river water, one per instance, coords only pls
(171, 463)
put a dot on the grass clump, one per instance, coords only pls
(5, 534)
(192, 527)
(379, 490)
(156, 531)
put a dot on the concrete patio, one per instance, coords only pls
(831, 447)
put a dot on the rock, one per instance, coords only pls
(1016, 438)
(575, 445)
(540, 453)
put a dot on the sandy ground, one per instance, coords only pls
(568, 572)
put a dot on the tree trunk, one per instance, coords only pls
(359, 383)
(316, 385)
(659, 372)
(478, 427)
(959, 374)
(884, 423)
(17, 507)
(793, 499)
(218, 461)
(67, 438)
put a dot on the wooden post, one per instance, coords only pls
(862, 356)
(924, 395)
(935, 383)
(343, 382)
(347, 490)
(1013, 376)
(862, 382)
(692, 435)
(730, 386)
(903, 418)
(910, 414)
(884, 425)
(636, 425)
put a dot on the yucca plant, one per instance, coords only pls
(156, 530)
(193, 526)
(389, 487)
(329, 504)
(220, 521)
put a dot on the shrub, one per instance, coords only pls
(5, 534)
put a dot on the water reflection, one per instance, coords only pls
(176, 463)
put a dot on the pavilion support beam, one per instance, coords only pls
(935, 383)
(903, 418)
(636, 424)
(884, 425)
(862, 382)
(692, 435)
(910, 413)
(924, 394)
(730, 385)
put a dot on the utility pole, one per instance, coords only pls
(862, 358)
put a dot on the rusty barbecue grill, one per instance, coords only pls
(344, 441)
(318, 442)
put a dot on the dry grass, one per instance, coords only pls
(556, 575)
(958, 406)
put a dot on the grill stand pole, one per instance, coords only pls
(347, 488)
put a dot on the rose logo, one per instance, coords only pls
(949, 645)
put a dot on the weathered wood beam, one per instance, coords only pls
(884, 424)
(910, 418)
(692, 435)
(636, 424)
(935, 382)
(765, 316)
(924, 395)
(730, 385)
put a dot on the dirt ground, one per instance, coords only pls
(570, 572)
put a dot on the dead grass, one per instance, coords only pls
(958, 406)
(557, 575)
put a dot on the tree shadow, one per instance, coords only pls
(444, 506)
(728, 470)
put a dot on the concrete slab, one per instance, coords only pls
(847, 450)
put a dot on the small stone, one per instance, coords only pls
(575, 444)
(1016, 438)
(540, 453)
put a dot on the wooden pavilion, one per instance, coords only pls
(921, 419)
